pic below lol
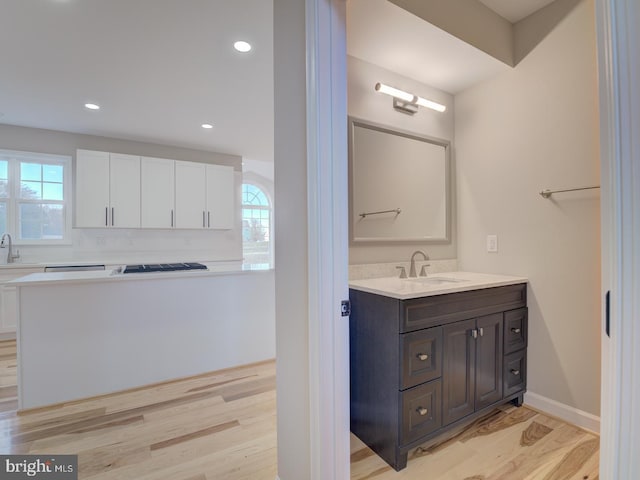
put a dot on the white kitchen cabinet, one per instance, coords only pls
(8, 298)
(124, 190)
(92, 189)
(107, 190)
(191, 195)
(220, 197)
(157, 192)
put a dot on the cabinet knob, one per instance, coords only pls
(422, 356)
(515, 372)
(422, 411)
(474, 333)
(481, 330)
(515, 330)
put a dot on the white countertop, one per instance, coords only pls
(114, 275)
(404, 289)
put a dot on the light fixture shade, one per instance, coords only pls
(423, 102)
(394, 92)
(409, 97)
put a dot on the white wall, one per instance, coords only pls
(367, 104)
(532, 128)
(292, 303)
(127, 244)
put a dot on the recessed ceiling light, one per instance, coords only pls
(207, 125)
(242, 46)
(92, 106)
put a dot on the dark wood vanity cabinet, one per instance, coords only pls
(423, 366)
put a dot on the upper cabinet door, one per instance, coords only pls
(157, 192)
(220, 197)
(190, 195)
(124, 191)
(92, 189)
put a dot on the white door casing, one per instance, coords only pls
(619, 75)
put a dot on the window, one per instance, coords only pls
(35, 197)
(256, 225)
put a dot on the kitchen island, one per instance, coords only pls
(82, 334)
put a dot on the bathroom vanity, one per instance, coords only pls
(432, 354)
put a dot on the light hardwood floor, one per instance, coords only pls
(222, 426)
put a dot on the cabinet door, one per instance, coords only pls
(157, 193)
(190, 195)
(515, 330)
(124, 191)
(488, 360)
(92, 189)
(421, 356)
(220, 197)
(420, 411)
(458, 372)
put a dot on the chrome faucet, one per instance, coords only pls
(412, 268)
(10, 255)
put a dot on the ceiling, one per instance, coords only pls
(514, 10)
(386, 35)
(158, 68)
(161, 68)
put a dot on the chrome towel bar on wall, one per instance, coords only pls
(397, 211)
(547, 193)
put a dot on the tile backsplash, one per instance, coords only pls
(378, 270)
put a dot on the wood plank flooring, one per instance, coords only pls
(222, 426)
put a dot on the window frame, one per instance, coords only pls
(268, 208)
(13, 202)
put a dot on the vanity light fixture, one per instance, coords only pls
(92, 106)
(207, 126)
(408, 102)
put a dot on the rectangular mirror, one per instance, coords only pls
(399, 185)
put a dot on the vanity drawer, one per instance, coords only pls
(515, 330)
(515, 372)
(421, 411)
(437, 310)
(421, 356)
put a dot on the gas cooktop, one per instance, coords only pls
(163, 267)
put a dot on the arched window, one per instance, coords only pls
(256, 225)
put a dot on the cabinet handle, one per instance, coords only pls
(106, 216)
(515, 330)
(172, 217)
(422, 411)
(203, 224)
(474, 333)
(481, 331)
(422, 356)
(112, 215)
(209, 219)
(515, 372)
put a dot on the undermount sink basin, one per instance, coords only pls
(434, 280)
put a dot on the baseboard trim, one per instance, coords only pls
(569, 414)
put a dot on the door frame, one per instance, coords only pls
(619, 74)
(328, 254)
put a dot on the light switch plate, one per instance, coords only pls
(492, 243)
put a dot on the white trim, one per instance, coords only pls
(565, 412)
(327, 239)
(619, 70)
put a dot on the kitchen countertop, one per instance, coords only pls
(406, 288)
(115, 275)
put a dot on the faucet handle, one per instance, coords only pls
(403, 272)
(423, 270)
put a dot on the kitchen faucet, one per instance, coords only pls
(412, 269)
(10, 255)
